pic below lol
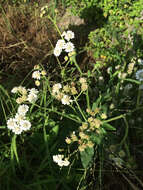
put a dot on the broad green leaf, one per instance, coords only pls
(86, 156)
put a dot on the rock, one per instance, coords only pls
(69, 19)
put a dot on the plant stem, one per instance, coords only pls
(80, 110)
(114, 118)
(126, 132)
(138, 98)
(77, 66)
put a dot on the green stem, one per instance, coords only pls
(64, 115)
(114, 118)
(54, 22)
(78, 95)
(87, 99)
(80, 110)
(77, 66)
(126, 132)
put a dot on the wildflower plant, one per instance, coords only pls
(83, 116)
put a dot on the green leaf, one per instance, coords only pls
(86, 156)
(108, 127)
(97, 139)
(55, 129)
(14, 149)
(96, 104)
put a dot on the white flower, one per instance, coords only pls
(36, 75)
(32, 97)
(23, 109)
(69, 35)
(69, 47)
(11, 123)
(19, 89)
(139, 75)
(60, 44)
(140, 61)
(22, 90)
(19, 100)
(62, 163)
(59, 160)
(17, 130)
(33, 91)
(56, 88)
(25, 125)
(57, 51)
(66, 162)
(66, 100)
(19, 117)
(14, 90)
(82, 80)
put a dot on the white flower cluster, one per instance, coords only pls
(37, 74)
(64, 44)
(60, 161)
(58, 94)
(30, 95)
(19, 123)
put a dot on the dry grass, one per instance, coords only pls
(24, 37)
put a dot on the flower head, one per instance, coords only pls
(60, 44)
(14, 90)
(32, 98)
(17, 130)
(57, 51)
(36, 75)
(69, 47)
(56, 88)
(11, 123)
(19, 117)
(25, 125)
(37, 83)
(22, 90)
(68, 35)
(23, 109)
(59, 160)
(66, 100)
(82, 80)
(19, 100)
(33, 91)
